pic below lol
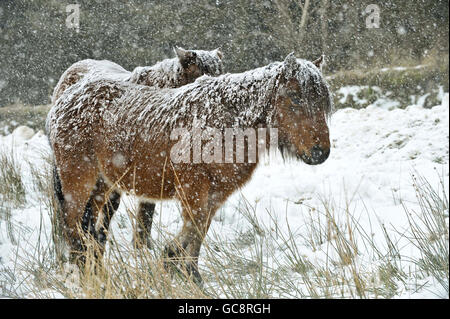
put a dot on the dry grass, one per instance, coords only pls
(12, 190)
(404, 85)
(429, 230)
(15, 115)
(266, 260)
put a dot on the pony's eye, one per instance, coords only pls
(295, 99)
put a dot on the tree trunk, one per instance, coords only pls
(303, 20)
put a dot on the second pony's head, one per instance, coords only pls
(185, 68)
(200, 62)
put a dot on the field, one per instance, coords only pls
(371, 222)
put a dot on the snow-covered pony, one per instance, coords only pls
(120, 132)
(169, 73)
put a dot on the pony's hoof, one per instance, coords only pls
(140, 243)
(172, 250)
(78, 258)
(192, 271)
(172, 255)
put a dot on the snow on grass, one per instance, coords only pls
(340, 229)
(362, 96)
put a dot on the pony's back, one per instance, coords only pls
(92, 69)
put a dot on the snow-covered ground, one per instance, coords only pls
(374, 153)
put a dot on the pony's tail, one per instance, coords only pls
(57, 188)
(58, 223)
(87, 220)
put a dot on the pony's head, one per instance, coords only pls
(302, 109)
(195, 63)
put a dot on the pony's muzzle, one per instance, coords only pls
(318, 155)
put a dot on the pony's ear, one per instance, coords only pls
(185, 56)
(319, 62)
(290, 60)
(219, 53)
(177, 50)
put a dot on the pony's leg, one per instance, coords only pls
(144, 225)
(77, 182)
(108, 211)
(194, 232)
(196, 221)
(104, 201)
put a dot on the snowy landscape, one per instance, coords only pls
(289, 218)
(91, 89)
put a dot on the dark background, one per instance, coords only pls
(36, 46)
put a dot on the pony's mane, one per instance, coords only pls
(229, 100)
(314, 88)
(209, 61)
(168, 72)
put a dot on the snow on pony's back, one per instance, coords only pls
(175, 72)
(88, 69)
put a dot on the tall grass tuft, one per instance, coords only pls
(12, 189)
(429, 230)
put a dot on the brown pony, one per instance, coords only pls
(169, 73)
(120, 132)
